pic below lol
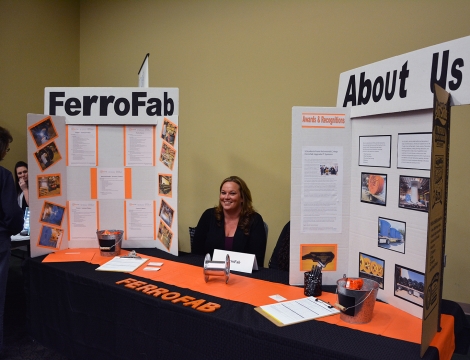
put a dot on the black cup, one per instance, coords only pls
(312, 284)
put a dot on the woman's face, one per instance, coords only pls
(22, 172)
(230, 197)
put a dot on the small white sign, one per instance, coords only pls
(278, 297)
(238, 261)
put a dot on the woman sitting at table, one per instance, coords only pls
(233, 225)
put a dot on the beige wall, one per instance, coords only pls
(240, 67)
(38, 47)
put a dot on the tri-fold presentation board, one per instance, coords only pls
(369, 177)
(361, 189)
(104, 159)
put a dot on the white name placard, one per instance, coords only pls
(238, 261)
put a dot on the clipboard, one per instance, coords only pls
(279, 313)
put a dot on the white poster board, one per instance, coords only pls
(120, 159)
(320, 187)
(47, 175)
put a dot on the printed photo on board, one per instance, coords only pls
(329, 169)
(324, 255)
(49, 185)
(50, 237)
(169, 131)
(43, 131)
(165, 184)
(47, 156)
(409, 285)
(391, 234)
(167, 155)
(374, 188)
(166, 213)
(371, 267)
(414, 193)
(52, 213)
(164, 235)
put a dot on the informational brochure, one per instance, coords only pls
(111, 183)
(139, 219)
(83, 220)
(375, 151)
(414, 151)
(82, 145)
(322, 189)
(140, 145)
(295, 311)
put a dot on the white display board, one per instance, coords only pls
(119, 164)
(47, 175)
(388, 230)
(388, 144)
(381, 231)
(320, 191)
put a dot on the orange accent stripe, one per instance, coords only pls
(128, 183)
(314, 113)
(322, 127)
(93, 183)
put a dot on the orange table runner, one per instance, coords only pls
(386, 321)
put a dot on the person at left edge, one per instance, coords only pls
(11, 221)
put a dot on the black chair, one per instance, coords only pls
(280, 257)
(192, 231)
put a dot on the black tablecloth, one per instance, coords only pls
(86, 315)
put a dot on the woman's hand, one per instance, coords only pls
(23, 184)
(24, 187)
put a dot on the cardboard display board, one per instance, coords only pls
(118, 166)
(436, 235)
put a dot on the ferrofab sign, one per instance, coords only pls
(121, 106)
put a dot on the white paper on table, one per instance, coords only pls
(122, 264)
(241, 262)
